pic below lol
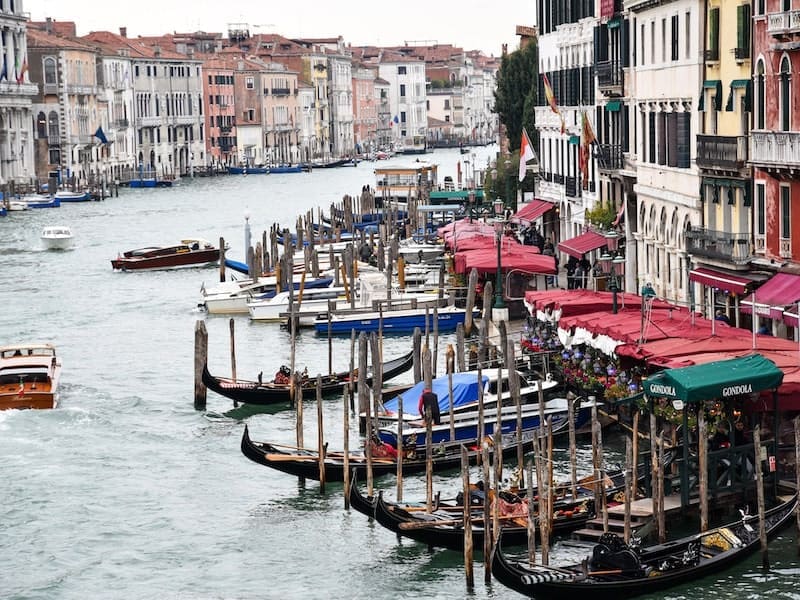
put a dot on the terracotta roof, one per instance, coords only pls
(112, 43)
(41, 39)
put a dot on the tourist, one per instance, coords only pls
(282, 376)
(721, 316)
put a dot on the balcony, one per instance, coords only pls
(148, 121)
(776, 151)
(711, 55)
(50, 89)
(741, 54)
(720, 245)
(783, 23)
(82, 90)
(609, 157)
(609, 76)
(225, 129)
(121, 123)
(281, 91)
(721, 151)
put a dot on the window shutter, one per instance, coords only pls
(651, 138)
(672, 139)
(713, 31)
(684, 140)
(624, 43)
(624, 126)
(662, 138)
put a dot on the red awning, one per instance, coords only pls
(515, 257)
(533, 210)
(791, 316)
(772, 297)
(580, 245)
(729, 283)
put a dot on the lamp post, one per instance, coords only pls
(499, 224)
(512, 202)
(613, 265)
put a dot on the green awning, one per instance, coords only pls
(740, 83)
(575, 139)
(614, 23)
(711, 84)
(721, 379)
(613, 105)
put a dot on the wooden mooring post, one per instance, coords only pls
(200, 361)
(321, 446)
(469, 570)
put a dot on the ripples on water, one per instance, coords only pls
(127, 492)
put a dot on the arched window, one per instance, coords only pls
(41, 126)
(52, 126)
(50, 74)
(785, 80)
(760, 101)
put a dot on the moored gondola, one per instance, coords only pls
(616, 570)
(259, 392)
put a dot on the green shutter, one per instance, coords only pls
(613, 105)
(713, 31)
(574, 139)
(701, 102)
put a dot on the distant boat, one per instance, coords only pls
(188, 253)
(391, 321)
(57, 237)
(286, 169)
(149, 183)
(342, 162)
(69, 196)
(39, 201)
(245, 170)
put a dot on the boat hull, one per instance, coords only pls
(185, 259)
(248, 170)
(73, 196)
(404, 323)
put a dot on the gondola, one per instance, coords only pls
(616, 570)
(258, 392)
(304, 462)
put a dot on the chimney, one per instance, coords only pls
(157, 50)
(123, 31)
(48, 25)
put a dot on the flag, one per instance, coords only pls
(551, 100)
(100, 135)
(23, 70)
(21, 391)
(396, 120)
(526, 153)
(587, 139)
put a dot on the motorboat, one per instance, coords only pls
(70, 196)
(17, 205)
(421, 253)
(309, 304)
(248, 170)
(232, 297)
(29, 376)
(391, 321)
(189, 252)
(40, 201)
(57, 237)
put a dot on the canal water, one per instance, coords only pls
(125, 491)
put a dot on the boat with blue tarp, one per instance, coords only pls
(392, 321)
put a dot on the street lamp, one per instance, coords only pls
(512, 202)
(613, 265)
(499, 225)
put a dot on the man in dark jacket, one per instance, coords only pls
(429, 401)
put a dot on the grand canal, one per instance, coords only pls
(125, 491)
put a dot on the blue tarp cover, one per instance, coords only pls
(465, 390)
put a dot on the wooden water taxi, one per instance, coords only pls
(29, 375)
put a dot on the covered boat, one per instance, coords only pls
(29, 376)
(616, 570)
(57, 237)
(261, 392)
(188, 253)
(392, 321)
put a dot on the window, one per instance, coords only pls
(713, 34)
(402, 90)
(785, 97)
(642, 38)
(760, 100)
(786, 201)
(249, 83)
(743, 25)
(663, 40)
(675, 53)
(50, 76)
(402, 117)
(687, 23)
(652, 42)
(761, 209)
(401, 70)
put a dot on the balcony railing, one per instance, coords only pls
(50, 88)
(775, 149)
(711, 55)
(121, 123)
(741, 53)
(721, 151)
(761, 243)
(720, 245)
(85, 90)
(609, 74)
(783, 23)
(786, 248)
(609, 158)
(281, 91)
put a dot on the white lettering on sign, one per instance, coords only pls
(737, 390)
(664, 390)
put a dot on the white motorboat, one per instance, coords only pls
(421, 253)
(17, 205)
(309, 305)
(232, 297)
(57, 237)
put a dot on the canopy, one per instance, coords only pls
(514, 257)
(532, 211)
(725, 281)
(771, 298)
(581, 244)
(465, 390)
(721, 379)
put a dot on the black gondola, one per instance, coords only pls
(256, 392)
(304, 462)
(616, 570)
